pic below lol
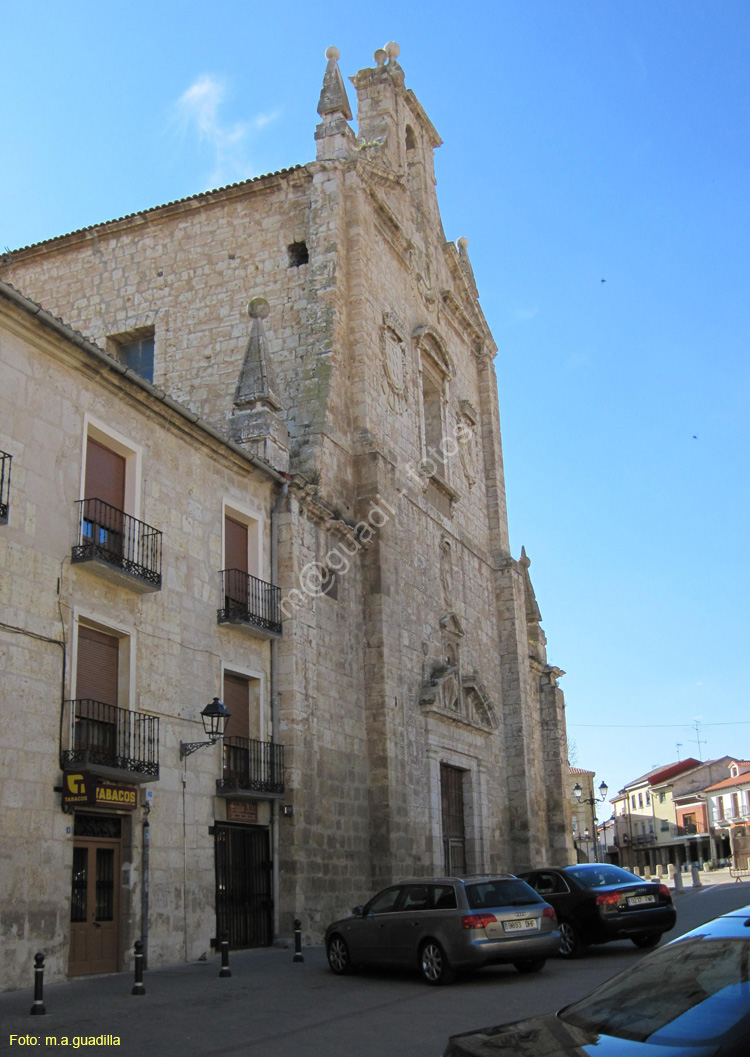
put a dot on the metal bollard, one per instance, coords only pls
(697, 883)
(297, 941)
(138, 988)
(225, 970)
(38, 1009)
(678, 886)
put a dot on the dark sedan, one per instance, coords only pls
(597, 903)
(691, 998)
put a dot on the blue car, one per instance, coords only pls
(690, 998)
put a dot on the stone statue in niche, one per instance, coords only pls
(446, 570)
(450, 689)
(467, 447)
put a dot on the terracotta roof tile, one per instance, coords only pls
(155, 209)
(727, 783)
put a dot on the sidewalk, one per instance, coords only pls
(707, 879)
(187, 1009)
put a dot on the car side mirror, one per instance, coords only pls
(358, 911)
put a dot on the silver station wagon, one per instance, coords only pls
(445, 925)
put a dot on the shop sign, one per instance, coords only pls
(242, 811)
(80, 788)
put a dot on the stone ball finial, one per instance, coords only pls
(333, 52)
(258, 308)
(380, 56)
(462, 243)
(392, 49)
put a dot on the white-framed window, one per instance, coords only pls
(242, 539)
(112, 464)
(103, 660)
(243, 694)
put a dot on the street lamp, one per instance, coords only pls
(214, 716)
(578, 794)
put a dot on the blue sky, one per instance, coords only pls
(584, 141)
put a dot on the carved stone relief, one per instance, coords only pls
(395, 366)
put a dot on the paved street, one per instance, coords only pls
(274, 1007)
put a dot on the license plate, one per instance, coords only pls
(637, 901)
(522, 925)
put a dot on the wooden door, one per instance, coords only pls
(95, 906)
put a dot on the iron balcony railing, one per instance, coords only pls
(248, 600)
(119, 540)
(5, 461)
(252, 766)
(107, 736)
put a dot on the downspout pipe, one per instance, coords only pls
(273, 694)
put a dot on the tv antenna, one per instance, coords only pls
(697, 739)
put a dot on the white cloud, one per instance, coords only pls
(261, 120)
(199, 110)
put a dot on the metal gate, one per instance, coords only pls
(452, 809)
(244, 905)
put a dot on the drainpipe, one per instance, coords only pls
(145, 843)
(273, 694)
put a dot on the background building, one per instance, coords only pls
(727, 804)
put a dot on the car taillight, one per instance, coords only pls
(549, 912)
(608, 902)
(664, 891)
(477, 921)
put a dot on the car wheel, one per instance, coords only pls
(338, 955)
(647, 939)
(434, 965)
(530, 965)
(571, 944)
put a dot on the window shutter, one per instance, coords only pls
(235, 545)
(105, 475)
(96, 675)
(237, 700)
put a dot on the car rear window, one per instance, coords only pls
(603, 875)
(692, 991)
(511, 892)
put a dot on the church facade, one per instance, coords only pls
(318, 319)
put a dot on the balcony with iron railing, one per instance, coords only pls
(253, 769)
(111, 742)
(121, 546)
(5, 463)
(250, 603)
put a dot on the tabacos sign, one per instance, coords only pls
(88, 790)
